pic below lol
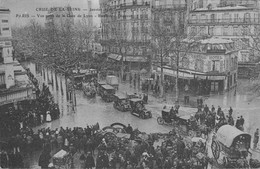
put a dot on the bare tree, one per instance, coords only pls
(172, 43)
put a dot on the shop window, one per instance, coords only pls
(214, 86)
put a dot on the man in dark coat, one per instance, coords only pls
(44, 159)
(242, 121)
(206, 109)
(90, 161)
(230, 111)
(129, 129)
(238, 123)
(180, 148)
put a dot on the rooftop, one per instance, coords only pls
(223, 8)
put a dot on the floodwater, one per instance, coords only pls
(90, 111)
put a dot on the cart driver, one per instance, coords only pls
(192, 121)
(140, 106)
(172, 114)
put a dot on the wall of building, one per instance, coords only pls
(231, 22)
(5, 30)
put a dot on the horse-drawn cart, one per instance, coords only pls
(230, 147)
(62, 160)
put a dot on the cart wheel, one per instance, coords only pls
(215, 149)
(160, 121)
(225, 161)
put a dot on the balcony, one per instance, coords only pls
(170, 7)
(240, 21)
(132, 4)
(16, 94)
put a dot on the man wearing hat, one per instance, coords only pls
(90, 163)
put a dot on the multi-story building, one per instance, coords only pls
(14, 83)
(125, 31)
(168, 19)
(211, 67)
(234, 20)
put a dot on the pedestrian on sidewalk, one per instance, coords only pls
(256, 138)
(130, 79)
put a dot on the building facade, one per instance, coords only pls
(234, 20)
(14, 83)
(125, 32)
(211, 67)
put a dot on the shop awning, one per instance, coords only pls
(191, 74)
(114, 56)
(135, 59)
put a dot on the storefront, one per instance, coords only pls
(197, 82)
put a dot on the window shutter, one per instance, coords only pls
(221, 66)
(209, 66)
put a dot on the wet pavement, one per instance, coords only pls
(90, 111)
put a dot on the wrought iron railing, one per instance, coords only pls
(170, 6)
(231, 20)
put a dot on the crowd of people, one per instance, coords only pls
(28, 113)
(97, 150)
(17, 120)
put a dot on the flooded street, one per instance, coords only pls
(90, 111)
(247, 106)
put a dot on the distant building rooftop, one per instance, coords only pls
(223, 8)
